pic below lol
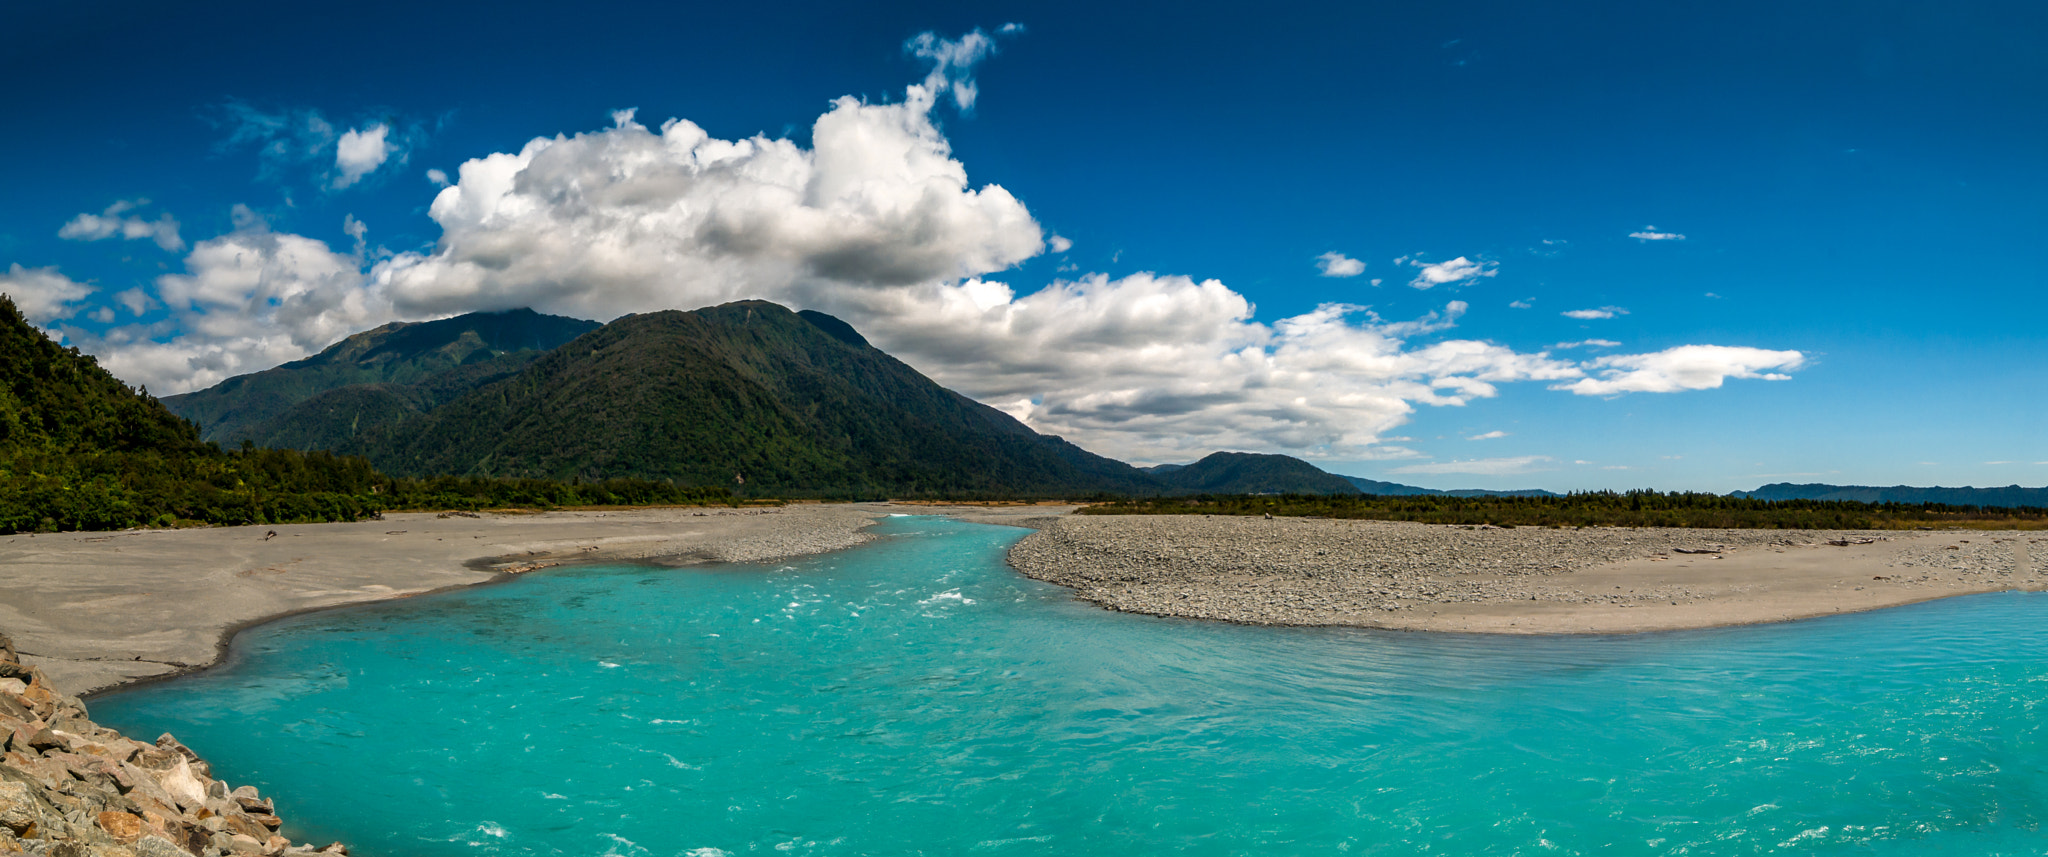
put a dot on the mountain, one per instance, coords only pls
(81, 450)
(1249, 473)
(748, 395)
(374, 378)
(2009, 496)
(1396, 489)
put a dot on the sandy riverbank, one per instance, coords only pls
(1530, 581)
(95, 610)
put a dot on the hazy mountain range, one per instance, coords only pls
(749, 395)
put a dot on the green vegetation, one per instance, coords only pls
(79, 450)
(1251, 473)
(373, 379)
(748, 396)
(472, 493)
(1600, 508)
(2010, 495)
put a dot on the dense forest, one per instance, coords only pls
(1596, 508)
(748, 395)
(79, 450)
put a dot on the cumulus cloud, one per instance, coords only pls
(1591, 314)
(360, 152)
(1334, 264)
(1481, 466)
(1059, 244)
(109, 223)
(42, 294)
(1588, 343)
(875, 222)
(1650, 233)
(1456, 272)
(439, 178)
(1686, 367)
(1489, 435)
(247, 301)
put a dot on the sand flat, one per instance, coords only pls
(1423, 577)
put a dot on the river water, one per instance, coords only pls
(915, 696)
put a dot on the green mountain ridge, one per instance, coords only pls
(748, 395)
(2011, 496)
(374, 378)
(1249, 473)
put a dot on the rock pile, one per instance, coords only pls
(72, 788)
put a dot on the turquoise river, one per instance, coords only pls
(916, 696)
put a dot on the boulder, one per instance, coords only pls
(33, 737)
(183, 785)
(157, 846)
(123, 826)
(18, 810)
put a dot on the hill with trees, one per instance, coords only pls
(2011, 496)
(1396, 489)
(81, 450)
(1249, 473)
(373, 379)
(747, 396)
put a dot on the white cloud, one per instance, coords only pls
(360, 152)
(1525, 303)
(1334, 264)
(136, 300)
(953, 61)
(298, 139)
(1588, 343)
(1650, 233)
(356, 229)
(1456, 272)
(1481, 466)
(109, 223)
(1686, 367)
(247, 301)
(1590, 314)
(1059, 244)
(1489, 435)
(42, 294)
(875, 222)
(440, 179)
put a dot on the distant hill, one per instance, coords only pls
(373, 379)
(1396, 489)
(747, 395)
(2008, 497)
(1249, 473)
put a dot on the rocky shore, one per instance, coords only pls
(72, 788)
(1518, 580)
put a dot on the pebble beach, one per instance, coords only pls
(1407, 576)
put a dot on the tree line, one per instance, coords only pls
(119, 490)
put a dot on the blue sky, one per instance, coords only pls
(1122, 235)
